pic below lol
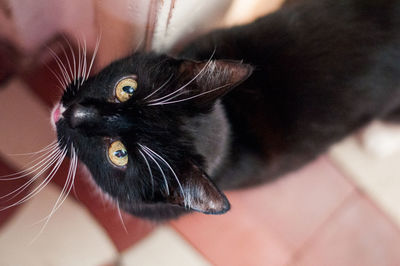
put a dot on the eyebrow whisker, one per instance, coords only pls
(162, 86)
(209, 61)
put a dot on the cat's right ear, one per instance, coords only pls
(197, 192)
(207, 81)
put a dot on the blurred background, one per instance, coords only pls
(341, 209)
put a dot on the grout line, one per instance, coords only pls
(346, 175)
(383, 213)
(346, 201)
(363, 192)
(191, 243)
(284, 243)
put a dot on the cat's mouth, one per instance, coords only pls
(57, 114)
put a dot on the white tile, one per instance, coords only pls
(164, 247)
(177, 25)
(381, 139)
(378, 177)
(245, 11)
(71, 237)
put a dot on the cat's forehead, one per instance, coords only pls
(148, 69)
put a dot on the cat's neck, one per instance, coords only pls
(211, 134)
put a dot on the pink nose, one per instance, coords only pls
(56, 113)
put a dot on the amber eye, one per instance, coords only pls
(125, 89)
(117, 153)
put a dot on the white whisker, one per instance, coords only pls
(74, 175)
(20, 189)
(61, 66)
(29, 170)
(120, 217)
(73, 59)
(63, 195)
(70, 74)
(67, 184)
(189, 98)
(138, 45)
(187, 84)
(79, 62)
(159, 167)
(59, 79)
(181, 88)
(64, 192)
(209, 66)
(162, 86)
(150, 172)
(84, 64)
(44, 183)
(94, 56)
(167, 164)
(48, 147)
(71, 178)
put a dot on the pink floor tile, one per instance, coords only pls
(296, 205)
(268, 224)
(358, 235)
(233, 239)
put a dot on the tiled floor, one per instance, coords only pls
(335, 211)
(271, 222)
(379, 177)
(357, 234)
(164, 246)
(72, 236)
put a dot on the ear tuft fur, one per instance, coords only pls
(221, 72)
(213, 79)
(200, 194)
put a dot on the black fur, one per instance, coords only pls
(322, 69)
(136, 123)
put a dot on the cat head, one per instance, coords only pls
(150, 129)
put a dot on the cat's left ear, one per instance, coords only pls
(198, 193)
(212, 79)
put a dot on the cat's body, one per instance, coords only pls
(322, 70)
(318, 70)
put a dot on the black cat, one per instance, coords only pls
(159, 135)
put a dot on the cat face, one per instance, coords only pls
(146, 126)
